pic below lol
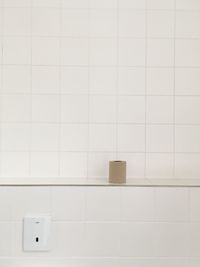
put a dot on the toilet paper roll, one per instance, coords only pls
(117, 171)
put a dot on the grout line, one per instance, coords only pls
(99, 9)
(1, 80)
(79, 37)
(105, 66)
(104, 221)
(60, 102)
(31, 91)
(146, 51)
(100, 152)
(99, 95)
(88, 94)
(117, 87)
(102, 123)
(174, 97)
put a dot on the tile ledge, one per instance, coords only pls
(27, 181)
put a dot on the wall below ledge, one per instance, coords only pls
(97, 182)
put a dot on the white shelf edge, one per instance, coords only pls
(176, 182)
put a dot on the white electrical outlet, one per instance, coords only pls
(36, 232)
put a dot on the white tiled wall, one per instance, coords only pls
(83, 82)
(86, 81)
(104, 226)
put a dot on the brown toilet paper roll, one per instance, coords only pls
(117, 171)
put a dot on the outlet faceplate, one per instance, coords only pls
(36, 232)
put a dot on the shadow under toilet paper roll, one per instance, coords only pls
(117, 171)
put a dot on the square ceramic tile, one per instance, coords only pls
(74, 51)
(1, 80)
(17, 21)
(44, 164)
(98, 164)
(73, 165)
(46, 3)
(131, 81)
(194, 239)
(6, 203)
(159, 165)
(7, 233)
(131, 52)
(187, 24)
(73, 197)
(69, 82)
(103, 4)
(187, 109)
(103, 52)
(129, 19)
(160, 53)
(160, 24)
(131, 211)
(106, 236)
(34, 199)
(102, 204)
(15, 108)
(67, 236)
(187, 81)
(138, 239)
(74, 109)
(45, 22)
(44, 137)
(187, 165)
(194, 204)
(103, 23)
(160, 81)
(187, 53)
(15, 164)
(98, 262)
(186, 138)
(156, 262)
(102, 80)
(135, 164)
(16, 79)
(187, 4)
(160, 4)
(131, 138)
(45, 108)
(103, 109)
(159, 138)
(74, 137)
(172, 204)
(45, 80)
(1, 56)
(194, 262)
(160, 109)
(17, 50)
(45, 51)
(102, 137)
(131, 109)
(1, 21)
(137, 4)
(19, 3)
(75, 3)
(75, 22)
(172, 240)
(15, 136)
